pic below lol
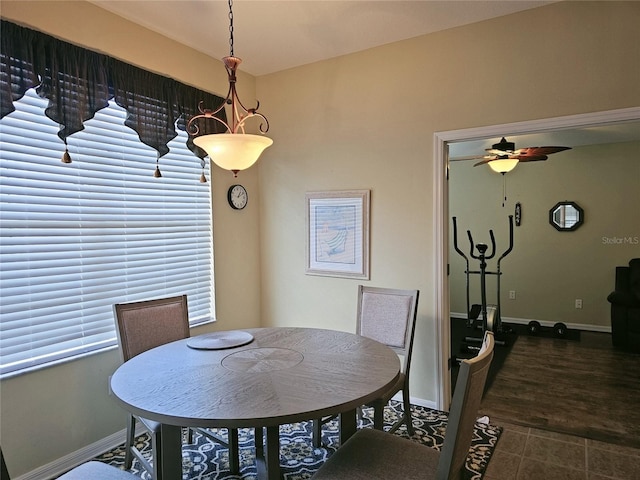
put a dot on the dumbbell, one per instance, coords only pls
(533, 328)
(560, 330)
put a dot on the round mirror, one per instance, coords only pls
(566, 216)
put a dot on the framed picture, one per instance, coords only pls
(338, 233)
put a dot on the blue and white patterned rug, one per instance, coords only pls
(206, 460)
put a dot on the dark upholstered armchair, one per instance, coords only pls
(625, 307)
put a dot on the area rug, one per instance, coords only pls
(206, 460)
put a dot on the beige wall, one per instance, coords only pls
(360, 121)
(548, 269)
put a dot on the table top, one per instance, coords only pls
(284, 375)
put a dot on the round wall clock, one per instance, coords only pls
(237, 197)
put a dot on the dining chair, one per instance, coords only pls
(97, 471)
(373, 454)
(87, 471)
(142, 326)
(389, 316)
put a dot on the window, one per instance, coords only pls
(77, 238)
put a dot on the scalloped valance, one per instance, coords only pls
(78, 82)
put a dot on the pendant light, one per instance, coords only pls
(234, 150)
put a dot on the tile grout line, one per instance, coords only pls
(586, 458)
(523, 452)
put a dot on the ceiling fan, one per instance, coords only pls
(503, 157)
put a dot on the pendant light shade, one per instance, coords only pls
(233, 151)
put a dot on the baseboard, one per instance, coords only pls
(417, 401)
(547, 323)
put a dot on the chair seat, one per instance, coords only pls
(97, 471)
(371, 454)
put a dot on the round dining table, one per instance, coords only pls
(260, 378)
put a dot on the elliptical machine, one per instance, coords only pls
(491, 320)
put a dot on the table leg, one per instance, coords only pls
(348, 425)
(234, 456)
(259, 441)
(268, 461)
(170, 448)
(273, 453)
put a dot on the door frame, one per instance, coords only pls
(441, 142)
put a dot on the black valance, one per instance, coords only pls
(78, 82)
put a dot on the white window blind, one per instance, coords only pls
(77, 238)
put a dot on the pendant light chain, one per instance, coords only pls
(231, 28)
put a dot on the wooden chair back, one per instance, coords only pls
(467, 396)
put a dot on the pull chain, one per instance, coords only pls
(504, 189)
(231, 28)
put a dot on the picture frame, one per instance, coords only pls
(337, 236)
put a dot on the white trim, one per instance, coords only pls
(541, 126)
(441, 277)
(417, 401)
(546, 323)
(441, 211)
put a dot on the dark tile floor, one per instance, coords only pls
(525, 453)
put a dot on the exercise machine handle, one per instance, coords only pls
(484, 247)
(508, 250)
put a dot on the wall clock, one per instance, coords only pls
(237, 197)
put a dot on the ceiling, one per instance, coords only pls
(275, 35)
(572, 137)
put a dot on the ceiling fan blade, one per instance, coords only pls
(485, 161)
(541, 150)
(468, 157)
(531, 158)
(504, 150)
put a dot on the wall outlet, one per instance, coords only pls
(512, 294)
(578, 303)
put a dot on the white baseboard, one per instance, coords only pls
(417, 401)
(547, 323)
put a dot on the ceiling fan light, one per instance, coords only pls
(231, 151)
(503, 165)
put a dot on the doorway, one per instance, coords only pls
(442, 140)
